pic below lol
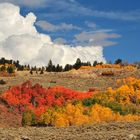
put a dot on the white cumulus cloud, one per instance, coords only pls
(19, 40)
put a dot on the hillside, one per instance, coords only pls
(82, 80)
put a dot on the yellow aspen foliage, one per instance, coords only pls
(123, 89)
(70, 109)
(48, 116)
(101, 114)
(110, 90)
(129, 118)
(138, 95)
(96, 114)
(61, 120)
(75, 114)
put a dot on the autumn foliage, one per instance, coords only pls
(34, 96)
(79, 114)
(59, 106)
(38, 99)
(113, 66)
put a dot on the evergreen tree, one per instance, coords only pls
(10, 61)
(95, 63)
(53, 68)
(58, 68)
(68, 67)
(28, 67)
(50, 66)
(78, 64)
(118, 61)
(2, 61)
(88, 63)
(10, 70)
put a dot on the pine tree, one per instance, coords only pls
(50, 66)
(68, 67)
(78, 64)
(95, 63)
(118, 61)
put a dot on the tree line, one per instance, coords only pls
(50, 67)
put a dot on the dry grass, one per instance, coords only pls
(80, 80)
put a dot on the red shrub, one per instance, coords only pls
(38, 99)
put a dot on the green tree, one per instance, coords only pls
(78, 64)
(58, 68)
(50, 66)
(10, 70)
(118, 61)
(68, 67)
(95, 63)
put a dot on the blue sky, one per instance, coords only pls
(113, 24)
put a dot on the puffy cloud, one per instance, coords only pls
(20, 40)
(61, 54)
(46, 26)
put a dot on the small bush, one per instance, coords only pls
(89, 101)
(2, 82)
(31, 72)
(41, 72)
(10, 70)
(93, 89)
(108, 73)
(115, 107)
(28, 118)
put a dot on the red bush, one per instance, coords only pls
(36, 98)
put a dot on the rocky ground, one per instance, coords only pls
(111, 131)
